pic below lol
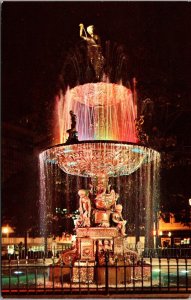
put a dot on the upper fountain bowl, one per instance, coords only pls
(99, 94)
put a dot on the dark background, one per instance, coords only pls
(36, 37)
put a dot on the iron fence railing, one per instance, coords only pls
(22, 254)
(181, 252)
(151, 275)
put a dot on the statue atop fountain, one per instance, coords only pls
(94, 49)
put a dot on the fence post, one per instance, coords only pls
(45, 246)
(106, 272)
(177, 272)
(151, 270)
(186, 265)
(9, 275)
(168, 264)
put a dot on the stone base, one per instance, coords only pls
(97, 232)
(92, 239)
(87, 251)
(83, 272)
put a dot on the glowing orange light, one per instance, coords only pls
(7, 229)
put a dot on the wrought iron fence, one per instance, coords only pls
(50, 276)
(38, 254)
(181, 252)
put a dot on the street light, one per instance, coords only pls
(6, 230)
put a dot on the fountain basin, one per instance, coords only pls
(99, 158)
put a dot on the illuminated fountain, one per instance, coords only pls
(98, 140)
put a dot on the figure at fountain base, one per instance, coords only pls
(73, 134)
(118, 219)
(84, 209)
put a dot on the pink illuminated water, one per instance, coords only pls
(104, 111)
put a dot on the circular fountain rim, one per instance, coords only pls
(95, 89)
(114, 84)
(102, 142)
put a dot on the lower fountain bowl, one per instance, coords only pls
(99, 158)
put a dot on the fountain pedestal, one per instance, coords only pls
(92, 239)
(97, 232)
(92, 244)
(83, 271)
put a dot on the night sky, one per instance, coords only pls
(36, 37)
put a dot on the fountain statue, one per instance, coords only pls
(84, 209)
(73, 134)
(117, 218)
(94, 49)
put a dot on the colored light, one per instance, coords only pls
(105, 111)
(137, 150)
(157, 270)
(18, 272)
(184, 271)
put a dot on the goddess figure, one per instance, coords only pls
(93, 38)
(94, 48)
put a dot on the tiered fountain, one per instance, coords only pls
(99, 129)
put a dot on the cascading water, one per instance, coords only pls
(108, 145)
(105, 111)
